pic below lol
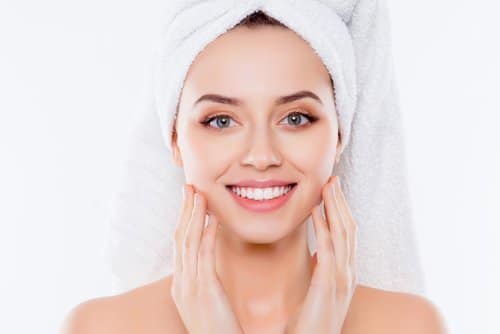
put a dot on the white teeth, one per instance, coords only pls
(261, 193)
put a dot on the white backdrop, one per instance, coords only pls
(74, 74)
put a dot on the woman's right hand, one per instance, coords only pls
(196, 290)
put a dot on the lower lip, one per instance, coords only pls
(263, 205)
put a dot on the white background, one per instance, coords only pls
(74, 74)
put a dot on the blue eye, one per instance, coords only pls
(222, 120)
(294, 117)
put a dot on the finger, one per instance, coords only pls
(325, 254)
(184, 217)
(193, 236)
(352, 228)
(206, 260)
(347, 218)
(336, 223)
(314, 260)
(352, 258)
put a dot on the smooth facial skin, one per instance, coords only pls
(262, 259)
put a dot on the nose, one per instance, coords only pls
(262, 152)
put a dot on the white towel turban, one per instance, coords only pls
(352, 37)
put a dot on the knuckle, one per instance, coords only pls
(343, 288)
(331, 249)
(187, 245)
(199, 200)
(341, 281)
(204, 250)
(324, 238)
(345, 230)
(354, 227)
(326, 192)
(330, 286)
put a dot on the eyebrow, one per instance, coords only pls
(236, 102)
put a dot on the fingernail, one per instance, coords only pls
(212, 219)
(184, 192)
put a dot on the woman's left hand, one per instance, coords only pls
(334, 277)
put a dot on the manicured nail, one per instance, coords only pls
(211, 219)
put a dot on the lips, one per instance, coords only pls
(262, 184)
(262, 205)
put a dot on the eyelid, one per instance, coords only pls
(311, 118)
(207, 120)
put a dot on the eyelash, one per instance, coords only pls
(309, 117)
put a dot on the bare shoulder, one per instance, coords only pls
(380, 311)
(146, 309)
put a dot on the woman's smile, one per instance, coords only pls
(262, 199)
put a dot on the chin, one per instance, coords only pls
(258, 227)
(261, 231)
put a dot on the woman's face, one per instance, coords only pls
(257, 138)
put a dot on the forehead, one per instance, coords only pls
(266, 61)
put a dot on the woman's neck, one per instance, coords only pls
(264, 282)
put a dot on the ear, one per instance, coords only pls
(176, 154)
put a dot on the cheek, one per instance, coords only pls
(206, 150)
(204, 158)
(314, 155)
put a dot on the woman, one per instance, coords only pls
(249, 270)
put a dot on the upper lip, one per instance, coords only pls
(261, 184)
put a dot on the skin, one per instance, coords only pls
(252, 252)
(203, 303)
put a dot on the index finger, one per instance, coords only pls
(180, 232)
